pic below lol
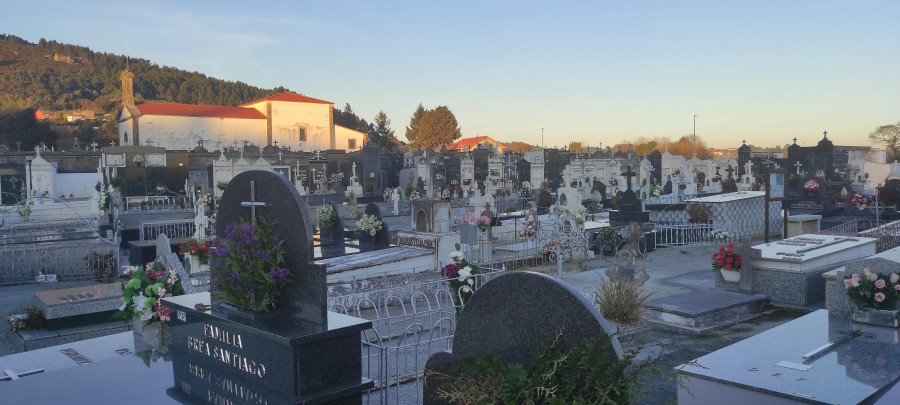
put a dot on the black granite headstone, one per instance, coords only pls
(290, 216)
(514, 316)
(335, 232)
(299, 354)
(382, 238)
(667, 188)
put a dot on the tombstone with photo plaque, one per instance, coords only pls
(300, 353)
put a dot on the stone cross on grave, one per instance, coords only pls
(113, 143)
(275, 142)
(94, 146)
(280, 157)
(798, 165)
(200, 143)
(235, 144)
(246, 143)
(628, 173)
(218, 145)
(253, 203)
(730, 171)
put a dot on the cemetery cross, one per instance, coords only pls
(253, 203)
(798, 165)
(628, 175)
(200, 143)
(730, 171)
(235, 144)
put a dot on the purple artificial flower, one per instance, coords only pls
(261, 254)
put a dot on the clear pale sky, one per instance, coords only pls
(593, 71)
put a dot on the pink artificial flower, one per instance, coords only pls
(855, 276)
(848, 283)
(897, 287)
(894, 278)
(872, 276)
(880, 284)
(879, 297)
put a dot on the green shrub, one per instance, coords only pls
(556, 376)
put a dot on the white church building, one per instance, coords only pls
(283, 119)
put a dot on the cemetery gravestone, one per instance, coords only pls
(302, 353)
(382, 238)
(514, 316)
(335, 232)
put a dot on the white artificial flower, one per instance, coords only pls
(138, 301)
(894, 278)
(464, 273)
(471, 281)
(146, 314)
(466, 289)
(160, 291)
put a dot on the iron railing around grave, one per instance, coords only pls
(69, 260)
(887, 234)
(183, 228)
(693, 234)
(410, 322)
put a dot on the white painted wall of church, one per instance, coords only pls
(182, 133)
(342, 137)
(289, 117)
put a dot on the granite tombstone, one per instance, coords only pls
(514, 316)
(299, 354)
(382, 238)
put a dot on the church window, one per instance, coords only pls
(351, 144)
(302, 134)
(126, 138)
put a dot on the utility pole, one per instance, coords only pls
(694, 146)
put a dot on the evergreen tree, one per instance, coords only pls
(23, 127)
(381, 133)
(412, 131)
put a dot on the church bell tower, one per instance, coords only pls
(127, 88)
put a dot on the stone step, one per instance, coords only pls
(702, 312)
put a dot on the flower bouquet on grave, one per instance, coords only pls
(530, 229)
(719, 235)
(197, 249)
(141, 303)
(367, 226)
(655, 191)
(414, 195)
(727, 262)
(325, 216)
(247, 270)
(460, 275)
(811, 185)
(859, 201)
(482, 222)
(875, 296)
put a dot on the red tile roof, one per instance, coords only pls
(468, 143)
(192, 110)
(288, 96)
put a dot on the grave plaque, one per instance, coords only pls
(301, 352)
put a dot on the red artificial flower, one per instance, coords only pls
(715, 256)
(721, 262)
(728, 267)
(730, 245)
(729, 260)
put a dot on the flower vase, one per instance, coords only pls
(155, 334)
(245, 313)
(730, 276)
(876, 317)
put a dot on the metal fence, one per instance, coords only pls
(410, 322)
(173, 229)
(144, 203)
(69, 260)
(887, 234)
(693, 234)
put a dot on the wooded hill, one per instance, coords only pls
(54, 76)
